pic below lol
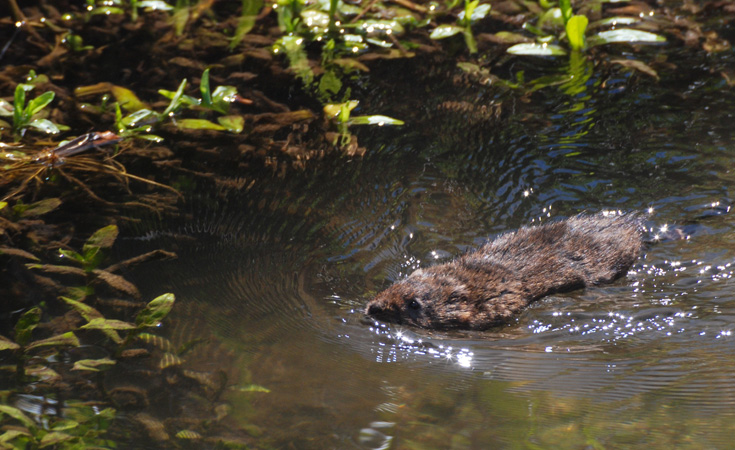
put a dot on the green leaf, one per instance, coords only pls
(67, 339)
(624, 35)
(156, 310)
(27, 322)
(150, 137)
(246, 22)
(169, 360)
(64, 424)
(566, 10)
(576, 27)
(536, 49)
(84, 310)
(53, 438)
(445, 31)
(198, 124)
(155, 5)
(37, 104)
(393, 27)
(107, 10)
(293, 46)
(204, 88)
(19, 102)
(507, 37)
(7, 344)
(479, 12)
(18, 415)
(251, 388)
(374, 120)
(340, 111)
(10, 435)
(45, 126)
(551, 19)
(102, 238)
(74, 256)
(469, 40)
(614, 21)
(223, 96)
(127, 99)
(313, 18)
(101, 323)
(329, 84)
(93, 365)
(534, 30)
(40, 207)
(234, 124)
(132, 119)
(175, 100)
(188, 434)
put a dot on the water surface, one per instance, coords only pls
(279, 273)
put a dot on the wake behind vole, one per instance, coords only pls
(489, 286)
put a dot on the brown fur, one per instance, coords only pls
(489, 286)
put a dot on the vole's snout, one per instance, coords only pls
(381, 309)
(373, 309)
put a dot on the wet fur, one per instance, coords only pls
(489, 286)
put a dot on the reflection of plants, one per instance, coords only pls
(44, 362)
(51, 358)
(36, 359)
(93, 252)
(556, 24)
(82, 426)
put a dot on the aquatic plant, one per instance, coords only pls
(473, 11)
(556, 24)
(341, 115)
(28, 114)
(140, 121)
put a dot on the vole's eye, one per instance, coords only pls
(413, 304)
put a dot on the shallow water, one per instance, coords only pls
(280, 272)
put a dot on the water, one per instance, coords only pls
(279, 273)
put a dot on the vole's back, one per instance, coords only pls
(490, 285)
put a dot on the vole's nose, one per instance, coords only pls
(374, 309)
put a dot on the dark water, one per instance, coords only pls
(280, 272)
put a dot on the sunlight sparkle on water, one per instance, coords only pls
(401, 344)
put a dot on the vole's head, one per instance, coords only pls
(421, 300)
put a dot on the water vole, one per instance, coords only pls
(488, 286)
